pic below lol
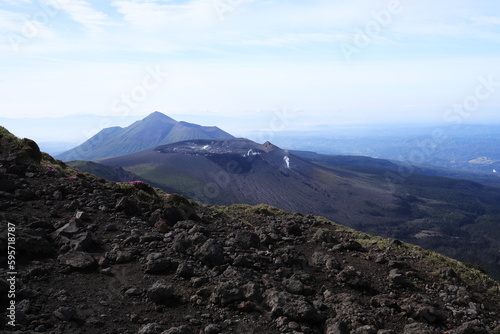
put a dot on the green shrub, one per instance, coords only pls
(266, 210)
(474, 267)
(144, 196)
(177, 200)
(126, 188)
(31, 149)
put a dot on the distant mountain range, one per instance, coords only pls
(156, 129)
(467, 147)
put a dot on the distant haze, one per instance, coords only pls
(59, 134)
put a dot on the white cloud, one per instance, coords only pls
(158, 16)
(16, 2)
(11, 22)
(20, 29)
(82, 12)
(177, 27)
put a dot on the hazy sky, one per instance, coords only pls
(325, 61)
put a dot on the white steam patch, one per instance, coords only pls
(287, 161)
(250, 153)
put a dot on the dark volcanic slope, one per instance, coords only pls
(99, 257)
(241, 171)
(156, 129)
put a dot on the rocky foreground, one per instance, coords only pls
(93, 256)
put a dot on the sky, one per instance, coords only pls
(248, 64)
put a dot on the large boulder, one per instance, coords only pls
(160, 292)
(226, 293)
(291, 306)
(211, 253)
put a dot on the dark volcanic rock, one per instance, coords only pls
(473, 327)
(82, 241)
(68, 230)
(283, 303)
(172, 215)
(336, 327)
(211, 253)
(152, 328)
(77, 260)
(184, 329)
(353, 278)
(247, 240)
(65, 313)
(418, 328)
(157, 263)
(226, 293)
(128, 206)
(160, 292)
(185, 269)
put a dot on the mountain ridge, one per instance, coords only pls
(155, 129)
